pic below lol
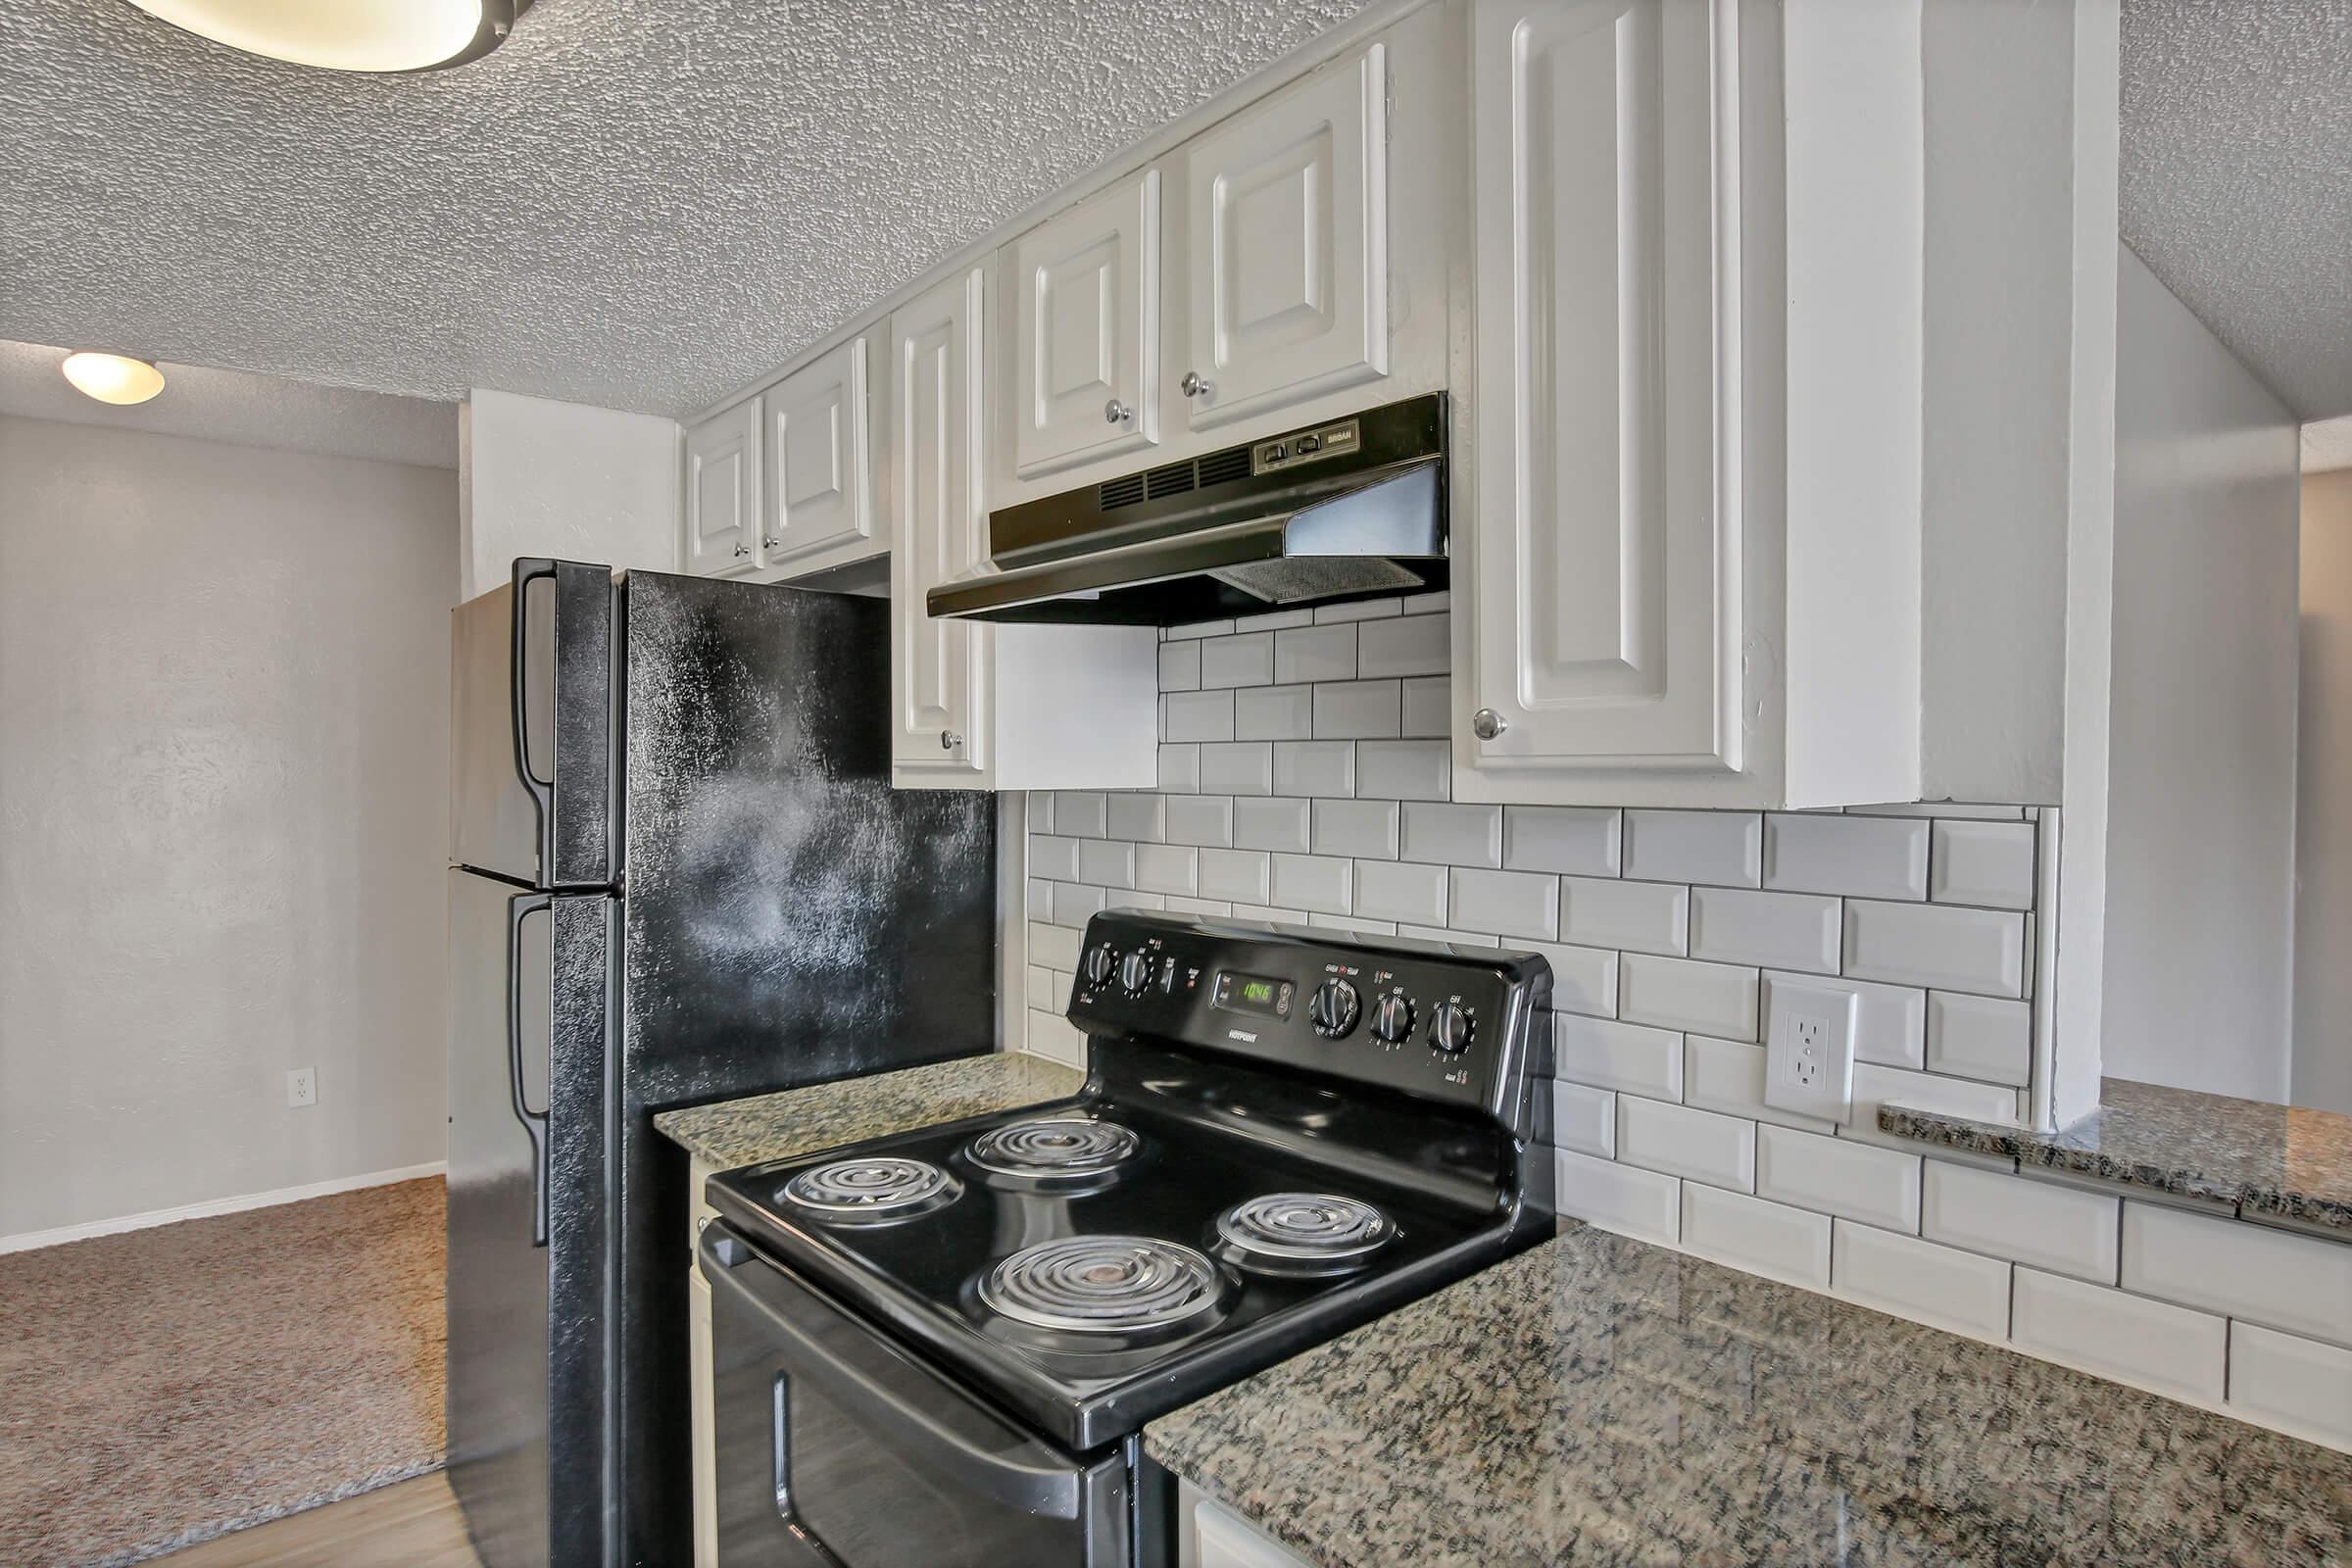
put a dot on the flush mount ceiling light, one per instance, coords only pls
(378, 36)
(112, 377)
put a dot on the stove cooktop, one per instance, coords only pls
(1188, 1218)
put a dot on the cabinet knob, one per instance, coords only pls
(765, 543)
(742, 549)
(1195, 385)
(948, 740)
(1117, 413)
(1487, 723)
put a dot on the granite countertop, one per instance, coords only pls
(729, 1133)
(2275, 1164)
(1598, 1400)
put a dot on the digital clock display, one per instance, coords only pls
(1266, 996)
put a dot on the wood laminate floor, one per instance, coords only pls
(411, 1524)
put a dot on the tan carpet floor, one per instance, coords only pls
(166, 1386)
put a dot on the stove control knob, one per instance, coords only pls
(1333, 1009)
(1135, 972)
(1101, 963)
(1393, 1018)
(1450, 1029)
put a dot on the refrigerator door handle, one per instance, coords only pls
(534, 1122)
(527, 570)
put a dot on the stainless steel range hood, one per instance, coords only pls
(1344, 508)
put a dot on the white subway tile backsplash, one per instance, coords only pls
(1039, 892)
(1427, 702)
(1355, 926)
(1712, 999)
(1763, 1238)
(1199, 628)
(1580, 841)
(1511, 903)
(1954, 809)
(1126, 899)
(1314, 882)
(1782, 930)
(2297, 1385)
(1700, 1144)
(1723, 849)
(1079, 814)
(1618, 1198)
(1890, 1021)
(1243, 767)
(1945, 946)
(1240, 876)
(1980, 1037)
(1053, 857)
(1180, 770)
(1608, 1054)
(1405, 770)
(1641, 916)
(1274, 822)
(1390, 889)
(2300, 1283)
(1049, 1034)
(1246, 659)
(2153, 1343)
(1056, 947)
(1167, 868)
(1835, 1176)
(1316, 653)
(1275, 620)
(1983, 863)
(1314, 767)
(1180, 666)
(1427, 604)
(1357, 709)
(1875, 1086)
(1366, 828)
(1583, 1120)
(1274, 713)
(1452, 835)
(1359, 609)
(1583, 979)
(1074, 904)
(1106, 863)
(1727, 1075)
(2055, 1228)
(1196, 716)
(1411, 644)
(1199, 819)
(1919, 1280)
(1137, 816)
(1861, 857)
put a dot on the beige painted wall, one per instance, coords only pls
(2323, 1073)
(223, 765)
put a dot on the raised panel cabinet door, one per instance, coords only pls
(1087, 346)
(819, 460)
(1608, 572)
(938, 667)
(1287, 212)
(720, 505)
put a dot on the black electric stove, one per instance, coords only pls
(1280, 1137)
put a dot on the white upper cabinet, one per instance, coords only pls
(821, 507)
(719, 506)
(1286, 213)
(1086, 345)
(1607, 622)
(939, 669)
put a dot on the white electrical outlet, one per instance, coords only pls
(302, 1087)
(1809, 1049)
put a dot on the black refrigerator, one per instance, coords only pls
(679, 873)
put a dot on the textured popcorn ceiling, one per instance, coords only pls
(246, 410)
(635, 203)
(2237, 178)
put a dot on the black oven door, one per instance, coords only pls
(835, 1450)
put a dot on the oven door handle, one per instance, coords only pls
(903, 1404)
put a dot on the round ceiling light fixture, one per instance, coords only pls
(374, 35)
(115, 378)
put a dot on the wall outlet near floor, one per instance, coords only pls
(302, 1087)
(1809, 1049)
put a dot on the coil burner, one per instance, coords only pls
(1057, 1148)
(1102, 1284)
(1302, 1232)
(872, 1189)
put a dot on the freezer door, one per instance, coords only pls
(530, 1264)
(533, 723)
